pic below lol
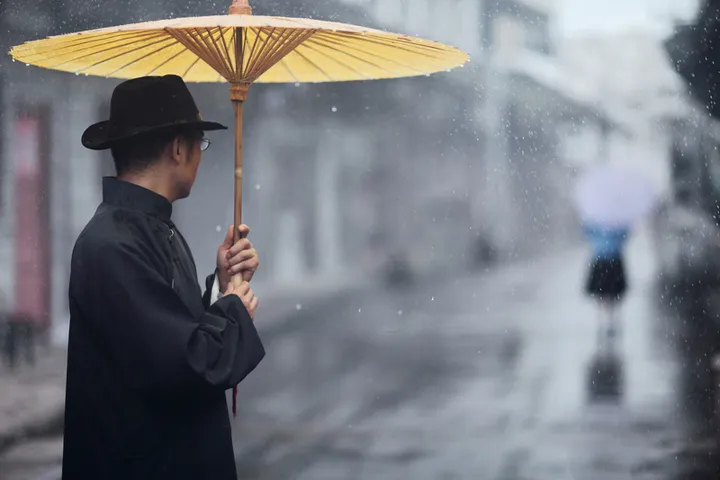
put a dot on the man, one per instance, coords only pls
(149, 356)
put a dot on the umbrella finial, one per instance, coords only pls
(240, 7)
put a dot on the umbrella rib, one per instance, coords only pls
(195, 62)
(391, 42)
(186, 38)
(419, 44)
(79, 40)
(344, 64)
(226, 60)
(227, 52)
(318, 41)
(294, 39)
(100, 62)
(178, 54)
(254, 59)
(210, 51)
(318, 67)
(146, 56)
(45, 51)
(238, 39)
(284, 64)
(94, 52)
(252, 49)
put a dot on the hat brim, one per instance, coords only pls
(100, 137)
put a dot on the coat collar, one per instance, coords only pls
(134, 197)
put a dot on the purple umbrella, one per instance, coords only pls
(610, 196)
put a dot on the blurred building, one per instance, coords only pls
(509, 180)
(630, 74)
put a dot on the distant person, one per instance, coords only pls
(19, 340)
(150, 357)
(17, 336)
(607, 280)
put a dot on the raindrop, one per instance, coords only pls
(359, 310)
(297, 84)
(400, 312)
(218, 228)
(298, 307)
(27, 64)
(257, 186)
(334, 109)
(432, 299)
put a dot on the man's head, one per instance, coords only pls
(155, 130)
(173, 155)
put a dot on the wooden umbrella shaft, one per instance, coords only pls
(238, 95)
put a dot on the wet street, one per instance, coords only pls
(479, 377)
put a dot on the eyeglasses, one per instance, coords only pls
(204, 144)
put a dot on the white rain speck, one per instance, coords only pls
(218, 228)
(257, 186)
(334, 109)
(298, 307)
(400, 312)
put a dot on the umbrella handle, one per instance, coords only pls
(238, 94)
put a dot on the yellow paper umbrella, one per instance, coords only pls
(241, 49)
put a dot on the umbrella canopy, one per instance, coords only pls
(613, 197)
(241, 49)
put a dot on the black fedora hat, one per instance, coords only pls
(144, 105)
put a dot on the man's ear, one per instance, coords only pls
(176, 148)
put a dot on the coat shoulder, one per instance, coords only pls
(112, 229)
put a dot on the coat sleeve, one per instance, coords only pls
(154, 340)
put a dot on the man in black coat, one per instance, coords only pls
(150, 357)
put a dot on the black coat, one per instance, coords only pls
(149, 359)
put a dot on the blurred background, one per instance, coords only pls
(422, 260)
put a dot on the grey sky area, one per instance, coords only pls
(608, 15)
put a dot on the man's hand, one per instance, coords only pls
(240, 258)
(245, 293)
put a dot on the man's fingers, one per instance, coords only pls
(254, 304)
(240, 245)
(241, 256)
(242, 289)
(249, 294)
(249, 264)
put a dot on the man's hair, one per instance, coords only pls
(139, 153)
